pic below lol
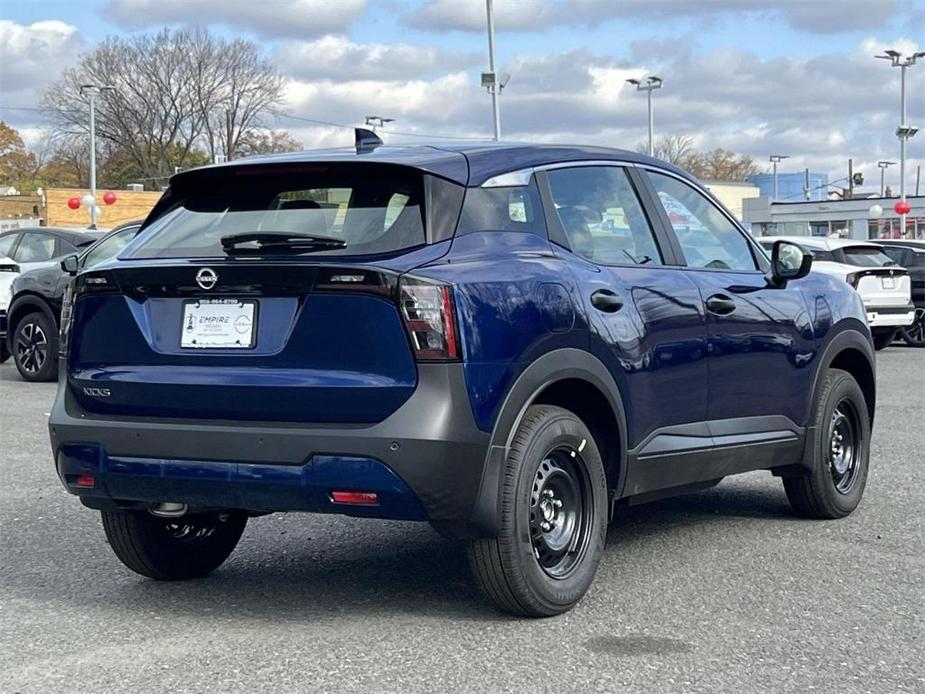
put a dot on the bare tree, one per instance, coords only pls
(717, 164)
(267, 142)
(675, 149)
(174, 92)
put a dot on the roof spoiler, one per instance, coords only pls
(365, 140)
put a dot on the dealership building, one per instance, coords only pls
(855, 218)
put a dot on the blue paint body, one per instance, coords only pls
(345, 360)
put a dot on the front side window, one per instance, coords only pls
(35, 248)
(602, 217)
(366, 209)
(707, 237)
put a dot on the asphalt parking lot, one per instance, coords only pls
(721, 591)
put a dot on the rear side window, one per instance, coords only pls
(372, 209)
(866, 256)
(6, 244)
(35, 248)
(515, 208)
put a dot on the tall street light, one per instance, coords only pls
(776, 159)
(491, 80)
(92, 91)
(905, 131)
(648, 85)
(884, 165)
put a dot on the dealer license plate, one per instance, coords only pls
(218, 324)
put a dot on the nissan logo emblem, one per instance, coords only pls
(207, 278)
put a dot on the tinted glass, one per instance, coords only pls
(602, 217)
(866, 256)
(707, 237)
(372, 209)
(515, 208)
(6, 243)
(35, 248)
(109, 247)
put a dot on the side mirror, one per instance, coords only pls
(789, 262)
(70, 264)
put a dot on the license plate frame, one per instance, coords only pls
(238, 331)
(887, 283)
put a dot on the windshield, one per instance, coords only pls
(370, 209)
(867, 256)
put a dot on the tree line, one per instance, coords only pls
(716, 164)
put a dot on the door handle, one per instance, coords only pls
(606, 301)
(721, 305)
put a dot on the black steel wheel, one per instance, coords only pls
(914, 335)
(838, 452)
(553, 517)
(35, 348)
(173, 549)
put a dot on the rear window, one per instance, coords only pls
(866, 256)
(372, 209)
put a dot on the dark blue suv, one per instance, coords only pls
(507, 341)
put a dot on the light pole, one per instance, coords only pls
(905, 131)
(491, 80)
(776, 159)
(884, 165)
(648, 85)
(378, 121)
(92, 91)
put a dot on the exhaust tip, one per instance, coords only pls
(167, 509)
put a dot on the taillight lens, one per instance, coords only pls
(853, 279)
(430, 317)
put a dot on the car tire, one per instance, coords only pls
(883, 337)
(839, 447)
(553, 518)
(914, 335)
(173, 549)
(35, 347)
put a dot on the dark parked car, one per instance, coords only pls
(910, 254)
(31, 248)
(35, 307)
(506, 341)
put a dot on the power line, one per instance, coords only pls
(283, 114)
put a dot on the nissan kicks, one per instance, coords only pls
(510, 342)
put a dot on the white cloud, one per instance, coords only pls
(290, 18)
(32, 55)
(470, 15)
(339, 58)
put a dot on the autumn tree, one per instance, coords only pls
(17, 164)
(716, 164)
(267, 142)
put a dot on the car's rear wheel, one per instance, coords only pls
(173, 549)
(35, 347)
(840, 450)
(914, 335)
(553, 518)
(883, 337)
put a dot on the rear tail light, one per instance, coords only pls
(67, 319)
(9, 267)
(430, 317)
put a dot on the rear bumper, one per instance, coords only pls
(424, 461)
(890, 316)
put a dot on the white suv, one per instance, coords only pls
(884, 286)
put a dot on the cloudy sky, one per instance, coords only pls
(793, 77)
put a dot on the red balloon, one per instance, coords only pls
(73, 203)
(902, 207)
(109, 197)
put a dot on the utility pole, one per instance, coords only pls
(493, 86)
(884, 165)
(92, 91)
(806, 184)
(850, 179)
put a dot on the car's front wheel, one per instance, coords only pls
(839, 450)
(35, 347)
(173, 549)
(914, 335)
(553, 518)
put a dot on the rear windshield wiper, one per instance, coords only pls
(269, 242)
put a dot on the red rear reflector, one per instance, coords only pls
(84, 481)
(355, 498)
